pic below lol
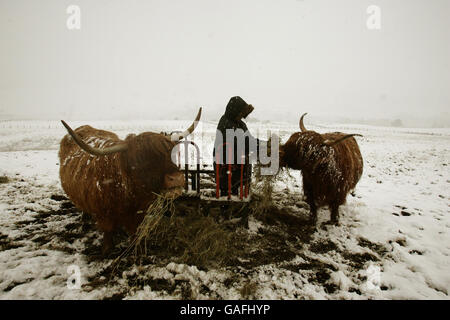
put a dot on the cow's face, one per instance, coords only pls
(173, 184)
(173, 180)
(289, 152)
(149, 161)
(298, 149)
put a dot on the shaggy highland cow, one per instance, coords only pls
(113, 180)
(331, 166)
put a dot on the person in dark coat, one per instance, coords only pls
(236, 110)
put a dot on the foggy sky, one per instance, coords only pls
(165, 58)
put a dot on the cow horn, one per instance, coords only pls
(333, 142)
(92, 150)
(179, 136)
(302, 126)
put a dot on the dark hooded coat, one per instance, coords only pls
(236, 109)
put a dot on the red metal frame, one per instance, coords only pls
(242, 193)
(242, 179)
(247, 185)
(217, 180)
(218, 170)
(243, 188)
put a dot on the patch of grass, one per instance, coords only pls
(330, 288)
(380, 249)
(322, 276)
(323, 247)
(185, 289)
(6, 243)
(116, 296)
(58, 197)
(248, 290)
(4, 179)
(358, 260)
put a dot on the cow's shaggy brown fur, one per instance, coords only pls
(113, 188)
(330, 171)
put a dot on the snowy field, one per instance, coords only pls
(393, 241)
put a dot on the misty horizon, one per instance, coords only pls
(164, 59)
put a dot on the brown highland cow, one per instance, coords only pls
(331, 166)
(113, 179)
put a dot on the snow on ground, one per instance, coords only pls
(393, 241)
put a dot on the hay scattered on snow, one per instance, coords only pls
(262, 191)
(186, 237)
(150, 228)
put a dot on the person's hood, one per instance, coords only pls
(237, 108)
